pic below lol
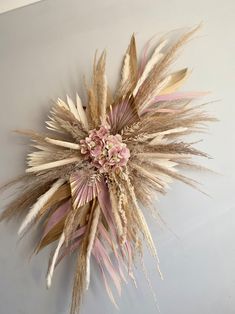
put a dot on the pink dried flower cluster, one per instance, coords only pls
(105, 151)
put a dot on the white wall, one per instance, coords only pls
(45, 50)
(8, 5)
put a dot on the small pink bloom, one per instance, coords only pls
(105, 151)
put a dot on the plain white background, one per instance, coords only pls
(8, 5)
(45, 50)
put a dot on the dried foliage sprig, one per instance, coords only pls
(88, 177)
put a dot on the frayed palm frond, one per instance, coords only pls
(87, 178)
(83, 187)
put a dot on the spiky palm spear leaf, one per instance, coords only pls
(87, 178)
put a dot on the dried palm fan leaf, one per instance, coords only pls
(87, 177)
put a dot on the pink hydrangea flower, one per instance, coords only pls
(105, 151)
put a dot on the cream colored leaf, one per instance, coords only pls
(177, 79)
(72, 108)
(81, 112)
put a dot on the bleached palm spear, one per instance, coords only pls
(101, 161)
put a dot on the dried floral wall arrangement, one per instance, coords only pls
(88, 179)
